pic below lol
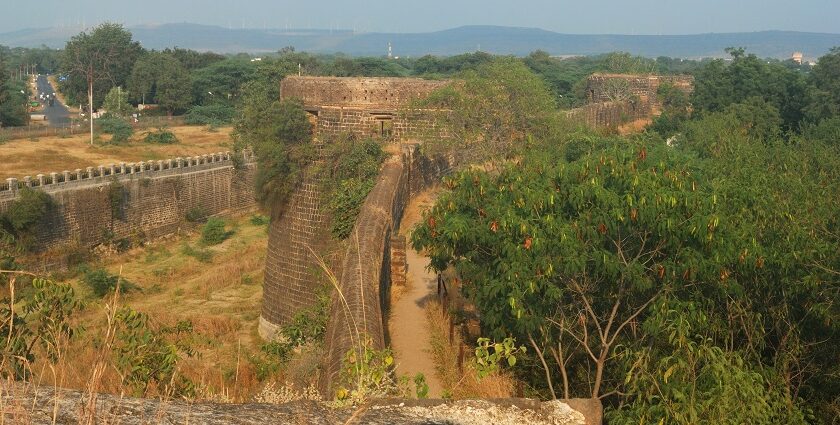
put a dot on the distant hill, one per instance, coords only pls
(493, 39)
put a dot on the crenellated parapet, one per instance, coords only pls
(124, 170)
(131, 200)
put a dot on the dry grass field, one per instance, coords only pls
(220, 294)
(25, 157)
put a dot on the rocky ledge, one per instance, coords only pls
(26, 404)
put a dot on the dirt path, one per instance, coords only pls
(408, 329)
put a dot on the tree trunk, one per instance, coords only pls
(90, 107)
(599, 371)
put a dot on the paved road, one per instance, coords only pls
(57, 115)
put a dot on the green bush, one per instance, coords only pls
(196, 215)
(354, 170)
(119, 129)
(213, 115)
(161, 136)
(147, 354)
(29, 209)
(202, 255)
(101, 282)
(214, 232)
(259, 220)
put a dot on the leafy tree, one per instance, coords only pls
(13, 109)
(42, 317)
(682, 377)
(825, 81)
(97, 61)
(161, 78)
(192, 60)
(143, 77)
(116, 102)
(221, 82)
(149, 355)
(279, 132)
(675, 110)
(718, 86)
(573, 258)
(491, 112)
(173, 86)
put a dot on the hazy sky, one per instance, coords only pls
(578, 16)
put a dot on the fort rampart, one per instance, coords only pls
(616, 99)
(299, 231)
(364, 107)
(358, 314)
(145, 199)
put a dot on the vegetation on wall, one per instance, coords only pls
(21, 218)
(280, 134)
(353, 168)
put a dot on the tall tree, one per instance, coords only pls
(825, 94)
(490, 113)
(160, 77)
(13, 109)
(101, 59)
(173, 85)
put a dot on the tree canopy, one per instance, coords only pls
(102, 58)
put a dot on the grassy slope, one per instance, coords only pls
(221, 297)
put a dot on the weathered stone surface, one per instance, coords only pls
(363, 106)
(292, 275)
(373, 93)
(605, 111)
(26, 404)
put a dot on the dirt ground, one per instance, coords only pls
(25, 157)
(410, 337)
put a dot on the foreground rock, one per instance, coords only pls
(25, 404)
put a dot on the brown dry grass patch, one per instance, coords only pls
(23, 157)
(453, 365)
(221, 298)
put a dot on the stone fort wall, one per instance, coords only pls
(365, 282)
(616, 99)
(155, 197)
(299, 230)
(364, 107)
(610, 114)
(367, 93)
(644, 87)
